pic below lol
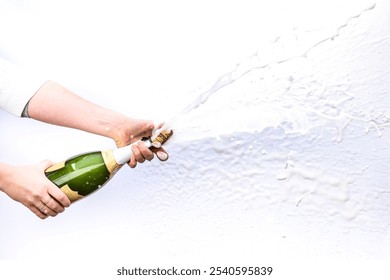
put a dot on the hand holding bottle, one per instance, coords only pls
(133, 130)
(29, 186)
(50, 104)
(81, 175)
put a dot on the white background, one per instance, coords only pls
(290, 162)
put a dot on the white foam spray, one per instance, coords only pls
(264, 64)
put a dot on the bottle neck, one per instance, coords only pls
(123, 155)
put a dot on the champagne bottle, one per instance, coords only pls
(84, 174)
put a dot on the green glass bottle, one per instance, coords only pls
(83, 174)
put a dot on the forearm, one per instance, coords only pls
(56, 105)
(4, 172)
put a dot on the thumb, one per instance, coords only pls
(161, 153)
(46, 164)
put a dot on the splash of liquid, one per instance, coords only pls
(253, 62)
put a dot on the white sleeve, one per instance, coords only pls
(17, 86)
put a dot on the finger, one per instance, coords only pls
(145, 151)
(137, 154)
(158, 125)
(38, 213)
(60, 200)
(152, 127)
(45, 164)
(148, 129)
(132, 162)
(145, 130)
(48, 212)
(160, 153)
(54, 205)
(45, 210)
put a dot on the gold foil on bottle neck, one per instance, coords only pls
(109, 160)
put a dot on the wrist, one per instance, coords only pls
(115, 128)
(125, 130)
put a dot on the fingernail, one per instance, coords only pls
(162, 156)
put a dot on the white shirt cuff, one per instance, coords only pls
(17, 86)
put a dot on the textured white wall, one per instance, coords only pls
(291, 160)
